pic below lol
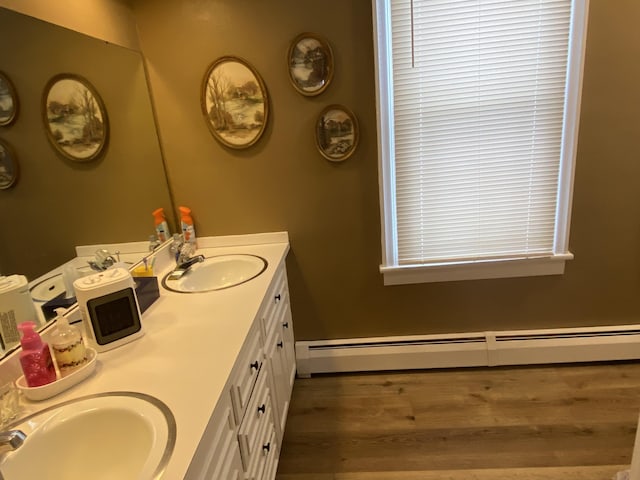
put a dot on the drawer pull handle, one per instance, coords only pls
(285, 324)
(255, 365)
(266, 447)
(280, 344)
(262, 408)
(277, 298)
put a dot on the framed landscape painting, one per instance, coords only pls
(310, 64)
(8, 101)
(234, 102)
(75, 117)
(8, 166)
(336, 133)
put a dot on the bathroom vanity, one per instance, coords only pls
(245, 432)
(222, 361)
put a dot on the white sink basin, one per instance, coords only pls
(217, 273)
(121, 435)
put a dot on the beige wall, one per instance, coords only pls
(56, 203)
(332, 211)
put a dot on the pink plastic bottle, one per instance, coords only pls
(35, 357)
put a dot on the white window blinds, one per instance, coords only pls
(478, 115)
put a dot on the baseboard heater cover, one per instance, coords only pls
(519, 347)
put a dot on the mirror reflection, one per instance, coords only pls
(57, 204)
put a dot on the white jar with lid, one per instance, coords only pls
(16, 306)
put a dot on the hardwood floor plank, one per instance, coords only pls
(442, 449)
(562, 473)
(350, 413)
(522, 423)
(599, 472)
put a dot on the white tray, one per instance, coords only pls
(60, 385)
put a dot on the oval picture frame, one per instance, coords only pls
(8, 166)
(234, 102)
(8, 101)
(337, 133)
(75, 117)
(310, 63)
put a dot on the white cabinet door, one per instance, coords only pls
(279, 347)
(246, 370)
(278, 380)
(218, 454)
(289, 349)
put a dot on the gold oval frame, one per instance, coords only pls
(343, 148)
(10, 92)
(233, 79)
(89, 133)
(322, 61)
(5, 149)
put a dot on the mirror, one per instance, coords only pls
(56, 203)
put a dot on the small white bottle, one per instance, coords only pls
(67, 345)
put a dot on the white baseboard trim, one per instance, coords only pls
(518, 347)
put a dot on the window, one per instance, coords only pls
(478, 107)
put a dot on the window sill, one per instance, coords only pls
(479, 270)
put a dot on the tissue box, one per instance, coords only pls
(147, 291)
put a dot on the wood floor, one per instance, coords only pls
(524, 423)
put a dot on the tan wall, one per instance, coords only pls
(332, 211)
(56, 203)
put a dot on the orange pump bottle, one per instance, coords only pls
(186, 223)
(162, 227)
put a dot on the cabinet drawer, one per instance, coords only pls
(246, 372)
(258, 417)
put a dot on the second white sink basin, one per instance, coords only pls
(123, 435)
(47, 289)
(217, 273)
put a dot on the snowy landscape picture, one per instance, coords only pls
(8, 101)
(75, 117)
(234, 102)
(336, 133)
(8, 167)
(310, 64)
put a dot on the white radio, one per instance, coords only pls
(109, 308)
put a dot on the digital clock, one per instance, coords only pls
(109, 308)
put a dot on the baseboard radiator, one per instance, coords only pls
(519, 347)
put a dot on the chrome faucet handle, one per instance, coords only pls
(187, 249)
(11, 440)
(176, 245)
(104, 259)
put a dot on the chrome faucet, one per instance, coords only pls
(103, 260)
(184, 259)
(183, 252)
(11, 440)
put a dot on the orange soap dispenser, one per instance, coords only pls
(186, 223)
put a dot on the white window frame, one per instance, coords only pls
(395, 274)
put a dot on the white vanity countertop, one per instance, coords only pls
(189, 347)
